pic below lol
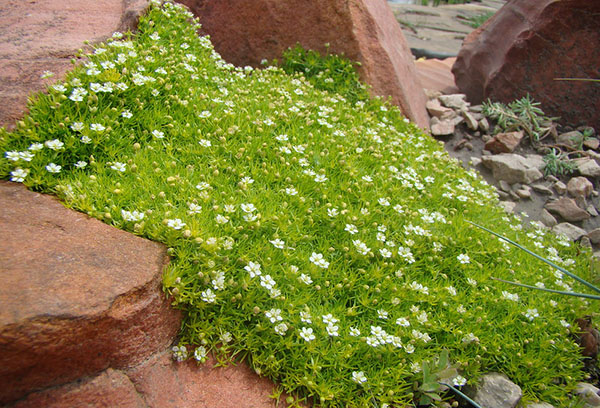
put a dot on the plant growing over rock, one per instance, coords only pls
(320, 238)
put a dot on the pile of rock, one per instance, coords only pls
(567, 204)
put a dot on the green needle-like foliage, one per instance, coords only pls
(313, 231)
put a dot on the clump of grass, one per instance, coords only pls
(323, 240)
(477, 21)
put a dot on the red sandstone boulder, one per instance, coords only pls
(525, 46)
(45, 35)
(246, 31)
(78, 296)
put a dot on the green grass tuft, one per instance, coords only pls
(290, 209)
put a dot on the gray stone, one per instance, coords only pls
(536, 161)
(560, 187)
(442, 128)
(551, 178)
(435, 108)
(591, 143)
(587, 167)
(548, 219)
(497, 391)
(476, 108)
(542, 189)
(475, 161)
(504, 142)
(571, 231)
(539, 405)
(458, 120)
(512, 168)
(572, 139)
(454, 101)
(588, 393)
(486, 138)
(524, 192)
(504, 186)
(592, 210)
(580, 187)
(484, 125)
(507, 206)
(470, 120)
(585, 242)
(568, 209)
(594, 235)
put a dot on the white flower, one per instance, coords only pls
(85, 139)
(18, 175)
(253, 269)
(359, 377)
(307, 334)
(304, 278)
(422, 317)
(229, 208)
(176, 224)
(132, 215)
(77, 126)
(510, 296)
(564, 323)
(202, 186)
(34, 147)
(200, 354)
(383, 201)
(471, 282)
(320, 178)
(531, 314)
(267, 282)
(409, 348)
(179, 353)
(470, 338)
(154, 36)
(14, 156)
(305, 317)
(158, 134)
(459, 381)
(318, 260)
(205, 143)
(126, 114)
(53, 168)
(247, 180)
(329, 319)
(354, 332)
(461, 309)
(402, 321)
(220, 219)
(386, 253)
(194, 209)
(451, 290)
(361, 247)
(208, 296)
(332, 330)
(382, 314)
(332, 212)
(351, 228)
(291, 191)
(278, 243)
(97, 127)
(463, 259)
(368, 179)
(281, 329)
(274, 315)
(248, 208)
(119, 166)
(54, 144)
(204, 114)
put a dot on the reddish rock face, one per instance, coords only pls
(525, 46)
(45, 35)
(246, 31)
(78, 296)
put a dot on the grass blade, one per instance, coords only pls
(583, 295)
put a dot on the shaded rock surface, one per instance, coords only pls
(246, 31)
(567, 209)
(78, 296)
(45, 35)
(525, 46)
(497, 391)
(512, 168)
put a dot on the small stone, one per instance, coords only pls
(594, 236)
(589, 393)
(539, 405)
(524, 193)
(435, 108)
(572, 139)
(454, 101)
(484, 125)
(571, 231)
(442, 128)
(535, 160)
(470, 120)
(587, 167)
(486, 138)
(476, 108)
(592, 144)
(560, 187)
(567, 208)
(497, 391)
(477, 134)
(503, 195)
(542, 189)
(585, 242)
(512, 168)
(507, 206)
(504, 186)
(580, 187)
(548, 219)
(504, 142)
(458, 120)
(592, 210)
(551, 178)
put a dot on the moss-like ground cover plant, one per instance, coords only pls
(325, 241)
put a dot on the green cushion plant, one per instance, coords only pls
(324, 240)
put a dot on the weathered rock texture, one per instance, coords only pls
(525, 46)
(78, 296)
(246, 31)
(45, 35)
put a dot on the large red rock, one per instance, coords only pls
(525, 46)
(78, 296)
(44, 35)
(246, 31)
